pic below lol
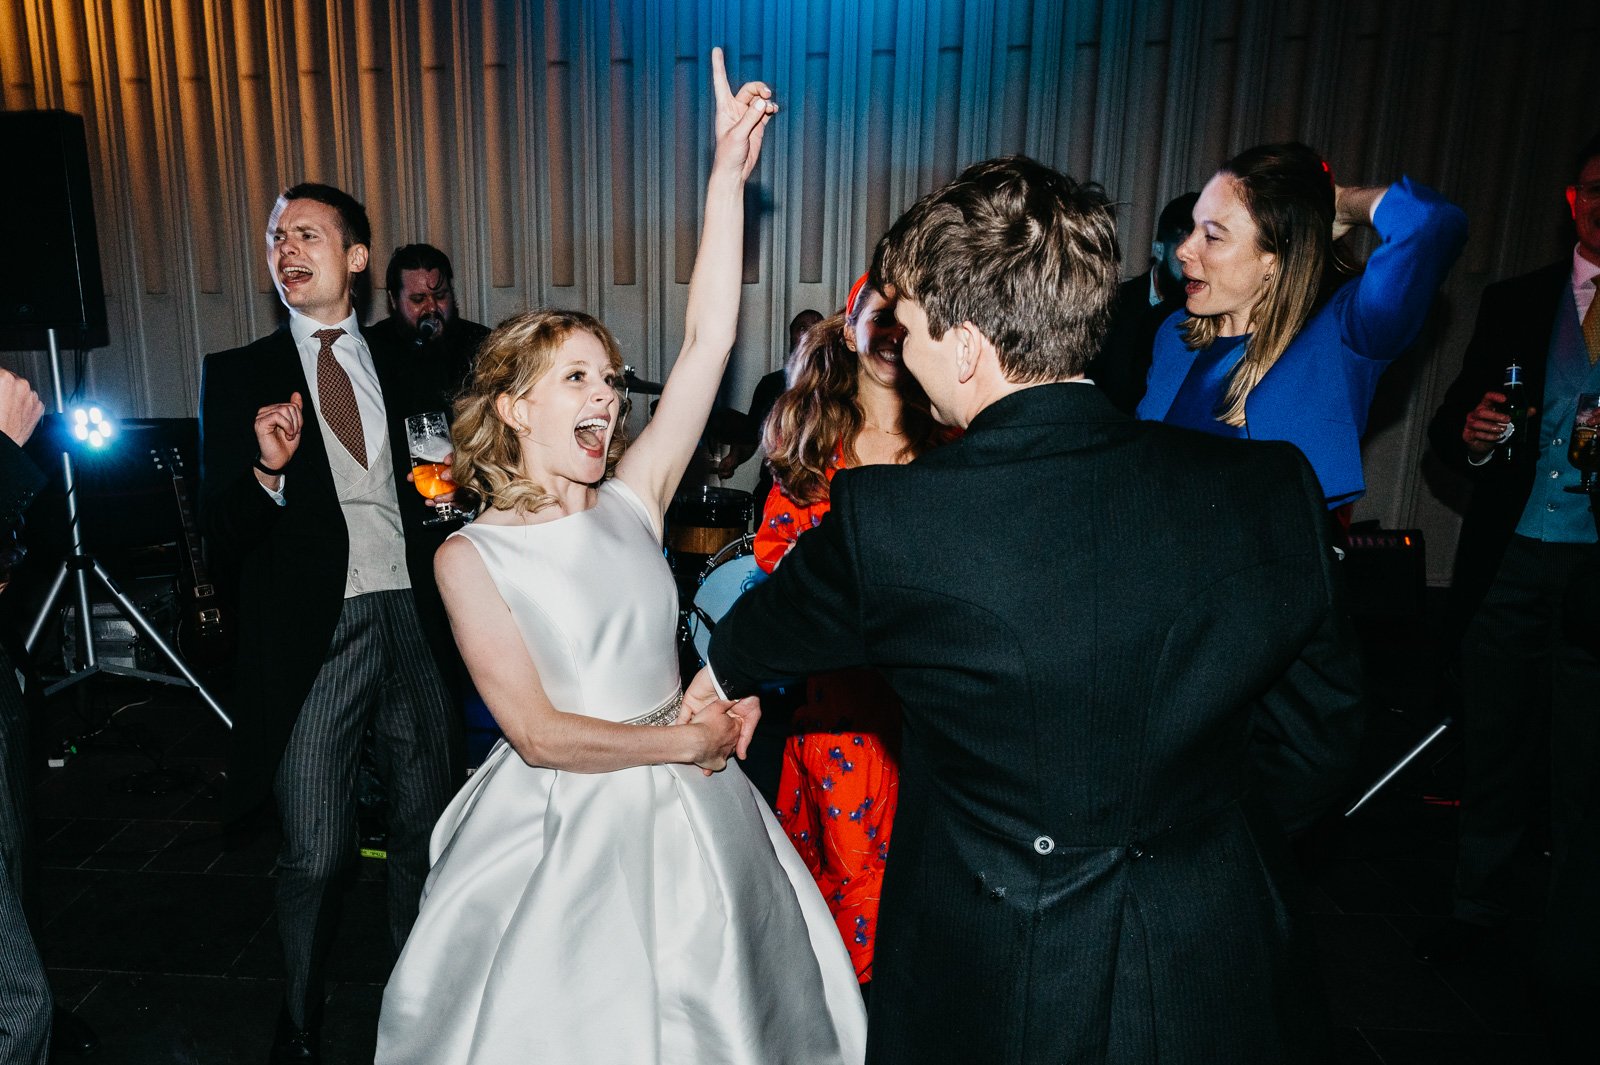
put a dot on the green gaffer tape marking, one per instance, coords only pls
(371, 852)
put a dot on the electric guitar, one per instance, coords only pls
(202, 628)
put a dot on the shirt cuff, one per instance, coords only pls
(1479, 460)
(277, 496)
(715, 683)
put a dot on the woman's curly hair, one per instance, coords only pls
(819, 410)
(511, 360)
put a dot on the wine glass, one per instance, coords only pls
(428, 437)
(1583, 446)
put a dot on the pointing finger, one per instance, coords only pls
(719, 76)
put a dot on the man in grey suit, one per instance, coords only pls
(304, 494)
(1120, 661)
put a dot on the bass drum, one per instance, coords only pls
(730, 573)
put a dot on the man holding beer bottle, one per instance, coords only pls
(1523, 540)
(304, 496)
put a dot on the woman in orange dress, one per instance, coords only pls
(850, 402)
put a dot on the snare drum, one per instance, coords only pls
(702, 521)
(730, 573)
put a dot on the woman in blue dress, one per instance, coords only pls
(1278, 339)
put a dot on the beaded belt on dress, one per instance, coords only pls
(665, 714)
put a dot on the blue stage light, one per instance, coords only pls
(92, 426)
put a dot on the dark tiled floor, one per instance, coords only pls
(164, 940)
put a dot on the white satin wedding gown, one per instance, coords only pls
(647, 915)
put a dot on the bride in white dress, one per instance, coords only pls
(607, 888)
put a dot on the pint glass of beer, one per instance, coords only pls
(428, 437)
(1583, 447)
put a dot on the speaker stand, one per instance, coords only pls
(83, 566)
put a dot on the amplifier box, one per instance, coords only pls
(1385, 572)
(116, 642)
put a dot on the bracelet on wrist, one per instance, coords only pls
(268, 470)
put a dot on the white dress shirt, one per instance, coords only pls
(350, 352)
(1585, 275)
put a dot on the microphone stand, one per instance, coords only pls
(82, 566)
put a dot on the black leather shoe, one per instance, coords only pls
(71, 1034)
(296, 1046)
(1452, 942)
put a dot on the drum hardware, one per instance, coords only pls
(632, 382)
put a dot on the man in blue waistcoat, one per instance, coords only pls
(1524, 540)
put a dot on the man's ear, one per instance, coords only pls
(1572, 203)
(356, 258)
(970, 345)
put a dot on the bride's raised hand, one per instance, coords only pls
(742, 119)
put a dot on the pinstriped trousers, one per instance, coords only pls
(26, 1004)
(378, 672)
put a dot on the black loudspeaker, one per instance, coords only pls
(50, 274)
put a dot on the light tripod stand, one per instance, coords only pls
(82, 566)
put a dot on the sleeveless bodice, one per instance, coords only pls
(595, 603)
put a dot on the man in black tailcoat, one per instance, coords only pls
(304, 492)
(1120, 662)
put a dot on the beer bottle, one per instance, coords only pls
(1516, 408)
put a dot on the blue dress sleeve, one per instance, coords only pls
(1381, 312)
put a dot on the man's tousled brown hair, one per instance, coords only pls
(1023, 252)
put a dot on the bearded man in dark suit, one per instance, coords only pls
(424, 329)
(1120, 660)
(303, 491)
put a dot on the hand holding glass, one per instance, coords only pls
(428, 436)
(1583, 446)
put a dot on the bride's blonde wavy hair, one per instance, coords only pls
(510, 362)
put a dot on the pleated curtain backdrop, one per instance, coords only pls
(557, 150)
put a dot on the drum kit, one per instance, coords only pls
(711, 551)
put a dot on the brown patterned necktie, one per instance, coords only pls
(337, 398)
(1591, 324)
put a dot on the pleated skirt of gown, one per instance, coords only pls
(647, 915)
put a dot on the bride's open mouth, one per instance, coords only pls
(591, 436)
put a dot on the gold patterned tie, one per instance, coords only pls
(1591, 324)
(337, 398)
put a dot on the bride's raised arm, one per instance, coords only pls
(654, 464)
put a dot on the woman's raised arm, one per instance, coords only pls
(653, 466)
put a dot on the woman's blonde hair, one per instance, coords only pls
(511, 360)
(1288, 190)
(819, 409)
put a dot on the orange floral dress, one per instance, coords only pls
(841, 771)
